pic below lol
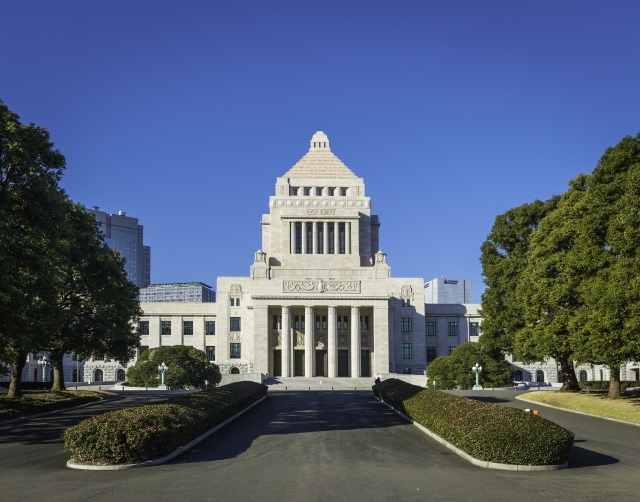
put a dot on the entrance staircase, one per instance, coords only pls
(317, 383)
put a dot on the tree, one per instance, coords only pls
(504, 256)
(454, 371)
(188, 368)
(98, 305)
(608, 329)
(30, 169)
(548, 288)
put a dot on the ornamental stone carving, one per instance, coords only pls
(406, 292)
(235, 289)
(299, 339)
(321, 212)
(320, 286)
(235, 337)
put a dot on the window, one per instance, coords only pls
(452, 328)
(332, 191)
(540, 376)
(74, 356)
(187, 328)
(98, 358)
(343, 192)
(450, 349)
(317, 322)
(210, 350)
(341, 238)
(318, 191)
(298, 227)
(517, 376)
(307, 191)
(320, 239)
(473, 329)
(234, 351)
(407, 324)
(582, 377)
(364, 325)
(430, 328)
(343, 322)
(98, 376)
(120, 375)
(294, 191)
(277, 322)
(405, 303)
(324, 322)
(165, 327)
(296, 322)
(407, 351)
(309, 233)
(431, 353)
(209, 327)
(143, 327)
(234, 324)
(331, 231)
(235, 302)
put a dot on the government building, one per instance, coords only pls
(319, 299)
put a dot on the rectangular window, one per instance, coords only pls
(98, 358)
(341, 238)
(331, 231)
(318, 191)
(296, 322)
(332, 191)
(407, 351)
(233, 301)
(307, 191)
(298, 227)
(450, 350)
(343, 192)
(187, 328)
(165, 327)
(452, 328)
(237, 302)
(234, 351)
(430, 328)
(324, 322)
(74, 356)
(309, 238)
(277, 322)
(431, 354)
(320, 239)
(405, 303)
(294, 191)
(364, 323)
(211, 352)
(317, 322)
(143, 327)
(407, 324)
(209, 327)
(141, 349)
(473, 329)
(234, 324)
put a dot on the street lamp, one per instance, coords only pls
(162, 369)
(43, 363)
(477, 369)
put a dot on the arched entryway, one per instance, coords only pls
(98, 376)
(120, 375)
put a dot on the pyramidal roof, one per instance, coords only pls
(320, 162)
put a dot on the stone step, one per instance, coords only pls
(318, 383)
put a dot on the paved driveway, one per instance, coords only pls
(324, 446)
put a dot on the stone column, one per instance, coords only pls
(355, 342)
(292, 243)
(309, 344)
(347, 237)
(336, 237)
(332, 343)
(286, 341)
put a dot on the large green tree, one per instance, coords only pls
(98, 307)
(608, 329)
(189, 368)
(30, 169)
(504, 256)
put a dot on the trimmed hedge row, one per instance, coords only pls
(488, 432)
(604, 384)
(133, 435)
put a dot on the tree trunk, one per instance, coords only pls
(569, 378)
(58, 373)
(614, 383)
(15, 384)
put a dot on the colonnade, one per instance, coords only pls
(288, 343)
(320, 237)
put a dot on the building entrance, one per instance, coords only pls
(277, 362)
(298, 363)
(343, 363)
(365, 364)
(322, 363)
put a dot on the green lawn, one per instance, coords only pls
(32, 403)
(627, 408)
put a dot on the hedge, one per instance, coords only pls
(604, 384)
(488, 432)
(143, 433)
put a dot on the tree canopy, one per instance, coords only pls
(189, 368)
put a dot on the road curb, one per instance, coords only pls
(480, 463)
(149, 463)
(576, 411)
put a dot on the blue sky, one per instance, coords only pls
(183, 113)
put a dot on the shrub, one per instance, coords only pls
(488, 432)
(143, 433)
(604, 384)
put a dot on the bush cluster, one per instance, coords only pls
(133, 435)
(488, 432)
(604, 384)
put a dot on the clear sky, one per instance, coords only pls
(183, 113)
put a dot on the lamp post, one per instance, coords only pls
(477, 369)
(43, 363)
(162, 368)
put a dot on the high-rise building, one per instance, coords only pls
(124, 234)
(444, 290)
(177, 292)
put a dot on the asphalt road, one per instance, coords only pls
(324, 446)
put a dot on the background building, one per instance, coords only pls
(124, 234)
(444, 290)
(177, 292)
